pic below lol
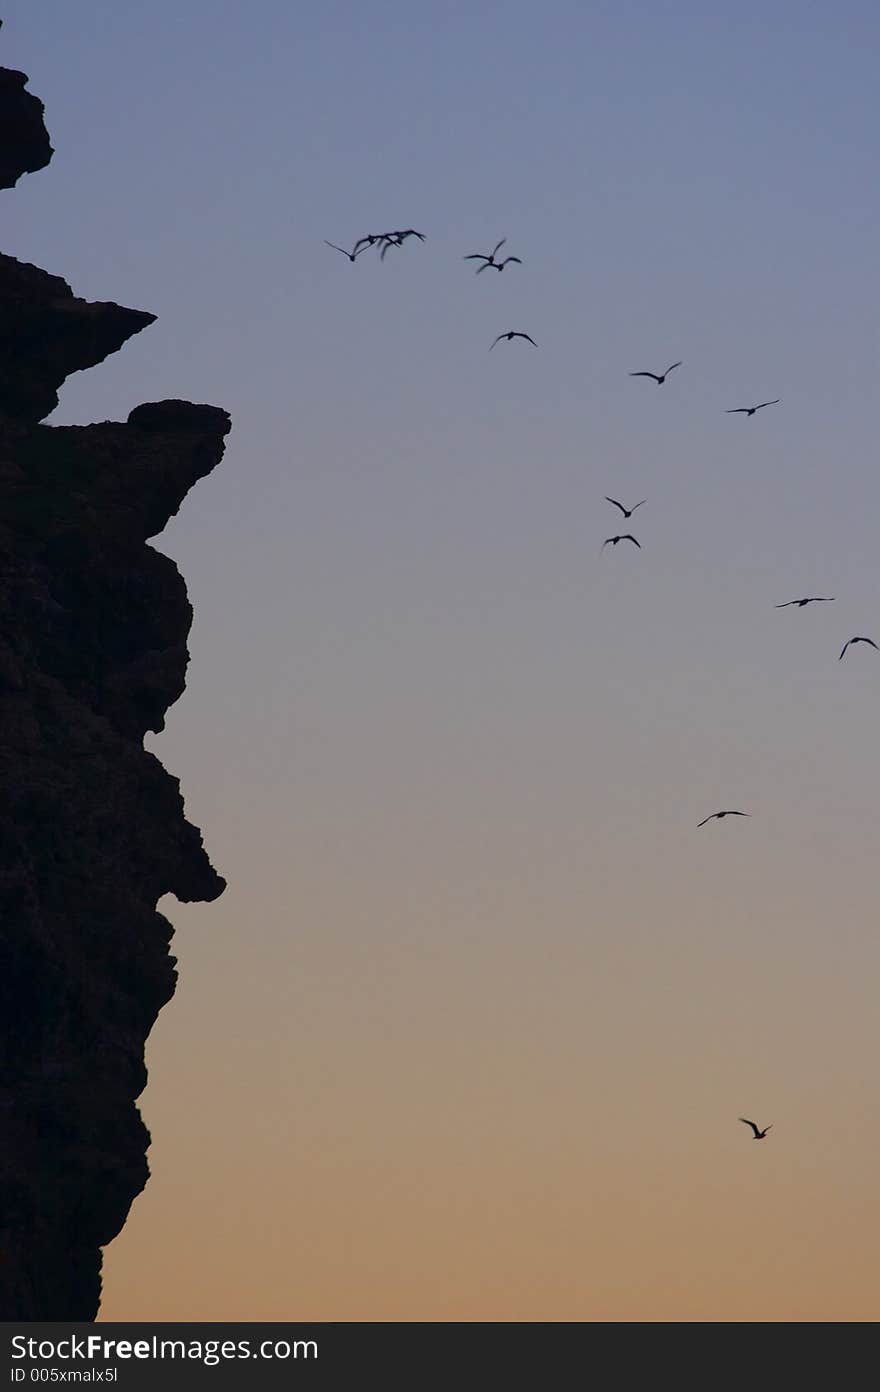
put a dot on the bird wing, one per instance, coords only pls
(511, 258)
(606, 541)
(476, 256)
(871, 641)
(844, 648)
(632, 509)
(616, 504)
(629, 537)
(735, 410)
(645, 374)
(669, 369)
(730, 813)
(531, 340)
(750, 1123)
(775, 402)
(786, 604)
(498, 340)
(335, 247)
(485, 266)
(361, 243)
(703, 823)
(499, 246)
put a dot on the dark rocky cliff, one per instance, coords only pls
(93, 629)
(24, 146)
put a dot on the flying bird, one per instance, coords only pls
(811, 599)
(490, 259)
(397, 239)
(370, 240)
(499, 265)
(355, 251)
(759, 1134)
(514, 333)
(615, 540)
(750, 410)
(627, 512)
(658, 378)
(858, 640)
(719, 815)
(383, 239)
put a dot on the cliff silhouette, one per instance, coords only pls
(93, 630)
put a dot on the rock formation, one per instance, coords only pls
(25, 145)
(93, 629)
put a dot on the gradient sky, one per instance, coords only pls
(468, 1034)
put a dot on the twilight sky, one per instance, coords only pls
(468, 1034)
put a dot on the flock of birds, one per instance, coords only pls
(385, 241)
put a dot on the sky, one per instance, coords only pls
(468, 1034)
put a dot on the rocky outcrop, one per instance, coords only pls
(93, 630)
(25, 146)
(49, 333)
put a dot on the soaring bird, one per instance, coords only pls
(627, 512)
(356, 250)
(615, 540)
(490, 259)
(658, 378)
(858, 640)
(386, 242)
(498, 265)
(514, 333)
(370, 240)
(811, 599)
(719, 815)
(759, 1134)
(397, 239)
(750, 410)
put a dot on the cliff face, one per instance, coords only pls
(25, 146)
(93, 629)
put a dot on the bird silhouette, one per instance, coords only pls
(615, 539)
(499, 265)
(355, 252)
(759, 1134)
(719, 815)
(858, 640)
(370, 240)
(627, 512)
(811, 599)
(750, 410)
(388, 241)
(397, 239)
(490, 259)
(659, 378)
(513, 333)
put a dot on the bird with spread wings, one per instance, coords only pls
(512, 333)
(490, 259)
(750, 410)
(728, 813)
(759, 1134)
(658, 377)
